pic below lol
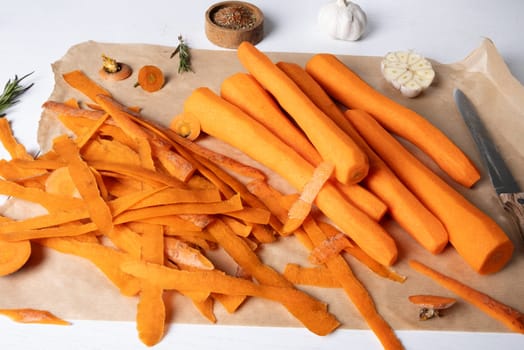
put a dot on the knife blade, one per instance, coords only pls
(507, 189)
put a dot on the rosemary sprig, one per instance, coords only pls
(184, 55)
(12, 91)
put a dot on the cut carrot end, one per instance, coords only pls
(186, 125)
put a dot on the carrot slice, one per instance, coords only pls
(476, 237)
(347, 87)
(13, 255)
(151, 78)
(81, 82)
(33, 316)
(511, 318)
(351, 164)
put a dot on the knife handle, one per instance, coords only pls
(514, 204)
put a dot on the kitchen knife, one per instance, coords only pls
(505, 185)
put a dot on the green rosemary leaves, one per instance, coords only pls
(12, 91)
(184, 55)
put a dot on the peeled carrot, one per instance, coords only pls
(348, 88)
(475, 236)
(511, 318)
(351, 164)
(228, 123)
(244, 91)
(402, 205)
(150, 78)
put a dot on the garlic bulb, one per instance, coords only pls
(408, 71)
(342, 20)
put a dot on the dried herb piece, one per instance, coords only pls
(12, 91)
(234, 17)
(184, 55)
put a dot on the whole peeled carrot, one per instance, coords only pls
(348, 88)
(230, 124)
(351, 164)
(513, 319)
(475, 236)
(403, 206)
(244, 91)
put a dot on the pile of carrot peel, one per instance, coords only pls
(145, 205)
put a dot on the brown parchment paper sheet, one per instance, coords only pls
(73, 289)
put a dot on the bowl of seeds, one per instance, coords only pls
(229, 23)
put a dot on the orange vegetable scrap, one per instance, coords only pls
(33, 316)
(302, 207)
(510, 317)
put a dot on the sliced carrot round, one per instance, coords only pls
(151, 78)
(186, 125)
(13, 255)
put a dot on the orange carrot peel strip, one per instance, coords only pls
(302, 207)
(510, 317)
(33, 316)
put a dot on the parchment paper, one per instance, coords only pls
(73, 289)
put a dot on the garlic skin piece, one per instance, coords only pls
(408, 72)
(343, 20)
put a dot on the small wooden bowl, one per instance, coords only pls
(229, 23)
